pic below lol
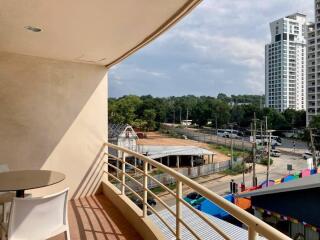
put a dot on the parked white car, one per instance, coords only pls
(275, 153)
(307, 155)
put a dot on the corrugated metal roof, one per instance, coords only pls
(199, 226)
(163, 151)
(312, 181)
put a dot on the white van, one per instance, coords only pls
(275, 140)
(228, 133)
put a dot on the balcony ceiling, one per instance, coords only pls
(97, 31)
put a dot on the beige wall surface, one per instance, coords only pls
(53, 115)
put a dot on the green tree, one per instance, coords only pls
(315, 122)
(223, 97)
(295, 119)
(124, 109)
(276, 120)
(149, 115)
(148, 112)
(315, 125)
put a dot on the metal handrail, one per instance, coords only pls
(254, 224)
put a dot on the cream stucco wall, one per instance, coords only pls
(53, 115)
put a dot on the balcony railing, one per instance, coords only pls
(120, 171)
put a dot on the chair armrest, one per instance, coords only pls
(6, 197)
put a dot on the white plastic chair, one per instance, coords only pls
(5, 197)
(38, 218)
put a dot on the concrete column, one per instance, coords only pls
(168, 161)
(178, 162)
(161, 160)
(191, 161)
(135, 165)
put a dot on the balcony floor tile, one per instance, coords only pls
(97, 218)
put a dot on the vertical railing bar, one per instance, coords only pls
(252, 234)
(117, 164)
(135, 166)
(123, 175)
(107, 166)
(145, 186)
(178, 208)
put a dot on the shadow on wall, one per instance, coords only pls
(92, 179)
(40, 99)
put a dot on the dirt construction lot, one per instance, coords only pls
(155, 138)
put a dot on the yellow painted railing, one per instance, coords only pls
(117, 172)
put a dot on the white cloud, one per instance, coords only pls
(219, 46)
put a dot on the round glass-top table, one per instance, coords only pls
(19, 181)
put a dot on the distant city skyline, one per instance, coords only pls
(217, 48)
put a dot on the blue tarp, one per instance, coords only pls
(289, 178)
(212, 209)
(313, 171)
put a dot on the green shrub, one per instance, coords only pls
(264, 161)
(236, 169)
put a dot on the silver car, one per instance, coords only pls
(275, 153)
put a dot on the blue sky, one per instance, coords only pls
(219, 47)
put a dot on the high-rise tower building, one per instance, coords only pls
(285, 63)
(313, 66)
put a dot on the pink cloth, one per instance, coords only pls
(305, 173)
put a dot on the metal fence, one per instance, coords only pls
(208, 136)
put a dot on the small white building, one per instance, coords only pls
(178, 156)
(122, 135)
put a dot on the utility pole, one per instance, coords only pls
(187, 114)
(262, 137)
(216, 125)
(243, 163)
(266, 126)
(254, 182)
(231, 145)
(268, 166)
(313, 149)
(180, 114)
(251, 140)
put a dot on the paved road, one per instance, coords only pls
(211, 138)
(221, 185)
(288, 145)
(294, 146)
